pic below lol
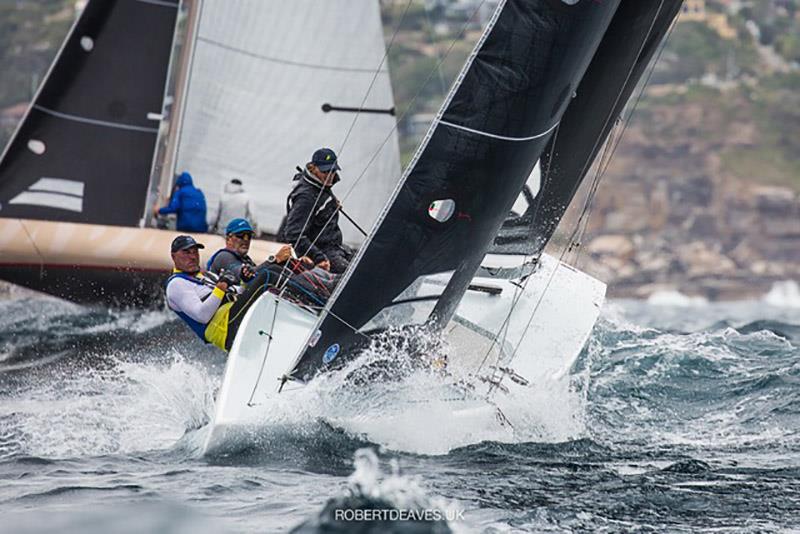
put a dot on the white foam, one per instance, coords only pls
(784, 294)
(424, 411)
(136, 321)
(126, 408)
(400, 491)
(673, 297)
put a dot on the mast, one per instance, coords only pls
(162, 172)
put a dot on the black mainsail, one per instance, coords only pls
(83, 151)
(632, 38)
(470, 168)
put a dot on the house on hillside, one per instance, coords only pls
(695, 11)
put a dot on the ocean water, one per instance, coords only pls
(679, 418)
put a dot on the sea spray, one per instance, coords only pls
(689, 423)
(398, 394)
(122, 407)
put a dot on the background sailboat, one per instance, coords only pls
(75, 172)
(76, 186)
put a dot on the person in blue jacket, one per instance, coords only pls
(189, 204)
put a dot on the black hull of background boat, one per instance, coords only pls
(117, 287)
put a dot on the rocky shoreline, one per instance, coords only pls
(671, 215)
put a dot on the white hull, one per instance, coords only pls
(550, 324)
(251, 388)
(270, 336)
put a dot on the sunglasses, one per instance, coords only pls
(244, 236)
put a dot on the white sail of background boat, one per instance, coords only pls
(271, 82)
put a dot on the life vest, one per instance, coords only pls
(216, 330)
(243, 259)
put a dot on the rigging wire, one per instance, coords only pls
(588, 204)
(575, 238)
(434, 44)
(519, 290)
(603, 165)
(608, 152)
(35, 247)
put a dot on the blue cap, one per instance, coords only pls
(182, 242)
(325, 160)
(238, 225)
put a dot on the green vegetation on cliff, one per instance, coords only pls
(30, 34)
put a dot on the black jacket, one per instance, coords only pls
(304, 198)
(230, 261)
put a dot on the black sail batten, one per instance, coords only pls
(465, 177)
(632, 39)
(327, 108)
(84, 149)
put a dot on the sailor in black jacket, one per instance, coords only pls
(312, 214)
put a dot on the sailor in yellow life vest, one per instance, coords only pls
(211, 308)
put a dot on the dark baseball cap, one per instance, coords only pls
(325, 160)
(182, 242)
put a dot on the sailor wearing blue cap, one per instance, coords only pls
(234, 258)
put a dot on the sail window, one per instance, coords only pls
(87, 43)
(442, 210)
(36, 146)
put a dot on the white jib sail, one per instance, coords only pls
(261, 73)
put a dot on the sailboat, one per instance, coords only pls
(457, 240)
(545, 83)
(142, 89)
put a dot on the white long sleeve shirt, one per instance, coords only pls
(198, 301)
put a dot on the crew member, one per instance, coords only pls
(312, 214)
(188, 203)
(212, 309)
(234, 203)
(233, 258)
